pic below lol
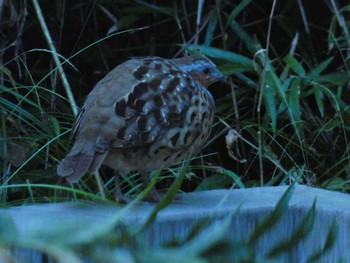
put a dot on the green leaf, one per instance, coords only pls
(208, 237)
(284, 86)
(336, 102)
(211, 29)
(332, 32)
(238, 9)
(248, 81)
(270, 104)
(318, 94)
(8, 231)
(295, 65)
(229, 69)
(329, 243)
(55, 125)
(251, 43)
(269, 93)
(272, 219)
(169, 195)
(321, 67)
(241, 61)
(235, 177)
(216, 181)
(334, 183)
(300, 233)
(330, 125)
(294, 104)
(220, 180)
(336, 78)
(61, 254)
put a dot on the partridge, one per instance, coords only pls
(146, 114)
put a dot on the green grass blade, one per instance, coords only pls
(272, 219)
(299, 233)
(329, 243)
(240, 61)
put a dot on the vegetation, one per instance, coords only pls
(282, 118)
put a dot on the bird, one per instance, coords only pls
(147, 114)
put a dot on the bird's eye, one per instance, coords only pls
(206, 71)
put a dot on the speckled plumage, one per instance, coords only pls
(146, 114)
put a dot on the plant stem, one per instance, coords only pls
(55, 58)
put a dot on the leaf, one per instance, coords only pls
(216, 181)
(251, 44)
(8, 231)
(250, 82)
(241, 61)
(336, 78)
(55, 125)
(334, 183)
(332, 33)
(300, 233)
(294, 105)
(211, 29)
(321, 67)
(270, 100)
(295, 65)
(284, 86)
(318, 94)
(235, 177)
(329, 243)
(336, 103)
(169, 195)
(61, 254)
(238, 9)
(272, 218)
(229, 69)
(208, 237)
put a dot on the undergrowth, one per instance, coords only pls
(282, 118)
(285, 102)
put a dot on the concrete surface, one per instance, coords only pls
(177, 219)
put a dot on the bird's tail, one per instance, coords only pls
(80, 160)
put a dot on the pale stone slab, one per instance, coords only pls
(177, 219)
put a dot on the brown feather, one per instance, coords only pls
(145, 114)
(74, 167)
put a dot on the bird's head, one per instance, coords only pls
(200, 69)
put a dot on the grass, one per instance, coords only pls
(286, 103)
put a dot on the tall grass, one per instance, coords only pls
(283, 118)
(286, 99)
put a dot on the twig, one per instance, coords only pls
(262, 91)
(55, 57)
(198, 21)
(342, 22)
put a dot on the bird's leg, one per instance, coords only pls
(153, 195)
(118, 194)
(99, 184)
